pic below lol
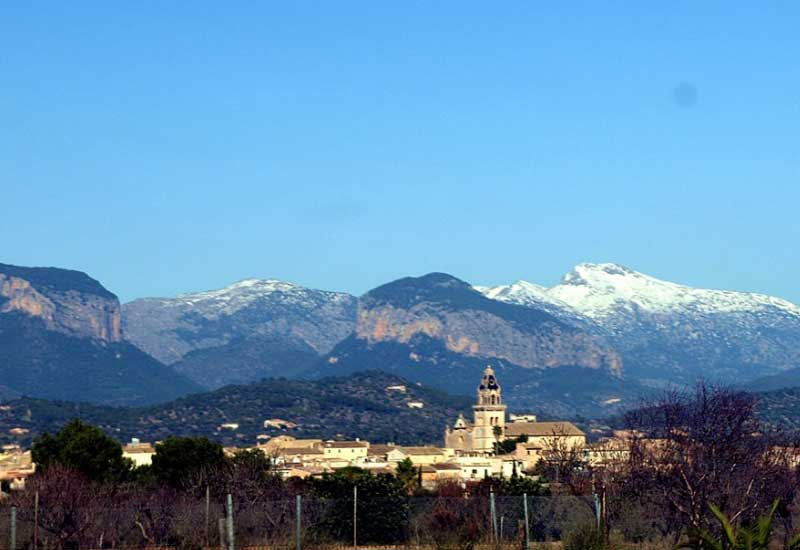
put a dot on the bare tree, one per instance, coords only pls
(693, 449)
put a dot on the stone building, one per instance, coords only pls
(479, 437)
(489, 420)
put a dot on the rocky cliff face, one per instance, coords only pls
(60, 338)
(480, 333)
(438, 330)
(446, 309)
(75, 312)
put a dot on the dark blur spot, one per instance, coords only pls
(684, 95)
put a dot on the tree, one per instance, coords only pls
(382, 505)
(408, 475)
(178, 459)
(690, 450)
(84, 448)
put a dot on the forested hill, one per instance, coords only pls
(372, 405)
(780, 408)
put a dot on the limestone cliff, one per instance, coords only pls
(482, 333)
(450, 311)
(60, 338)
(72, 312)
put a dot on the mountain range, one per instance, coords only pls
(603, 338)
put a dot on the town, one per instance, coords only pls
(493, 444)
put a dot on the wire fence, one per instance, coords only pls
(295, 524)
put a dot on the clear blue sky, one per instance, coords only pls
(176, 146)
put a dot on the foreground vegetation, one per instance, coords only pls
(700, 471)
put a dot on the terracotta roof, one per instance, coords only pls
(291, 451)
(380, 450)
(421, 451)
(539, 429)
(346, 444)
(446, 466)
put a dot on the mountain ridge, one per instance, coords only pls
(668, 332)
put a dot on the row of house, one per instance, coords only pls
(486, 446)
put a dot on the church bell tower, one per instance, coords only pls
(490, 414)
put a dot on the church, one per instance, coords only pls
(479, 437)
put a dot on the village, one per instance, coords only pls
(492, 444)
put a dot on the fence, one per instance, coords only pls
(299, 523)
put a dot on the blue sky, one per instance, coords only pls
(176, 146)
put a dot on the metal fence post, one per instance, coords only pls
(231, 538)
(527, 523)
(355, 516)
(299, 522)
(208, 510)
(597, 510)
(493, 512)
(13, 542)
(36, 521)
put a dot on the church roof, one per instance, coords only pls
(540, 429)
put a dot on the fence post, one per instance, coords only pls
(13, 542)
(527, 528)
(493, 512)
(355, 516)
(231, 538)
(36, 521)
(299, 521)
(597, 510)
(208, 511)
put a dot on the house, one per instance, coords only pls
(229, 426)
(141, 454)
(474, 468)
(447, 471)
(15, 467)
(418, 455)
(274, 445)
(345, 451)
(545, 440)
(279, 423)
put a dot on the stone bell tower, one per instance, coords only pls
(490, 414)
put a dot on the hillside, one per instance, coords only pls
(60, 338)
(241, 333)
(361, 405)
(440, 331)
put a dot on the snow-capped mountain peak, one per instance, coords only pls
(241, 294)
(667, 331)
(600, 290)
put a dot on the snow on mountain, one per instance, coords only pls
(599, 291)
(239, 295)
(171, 328)
(668, 331)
